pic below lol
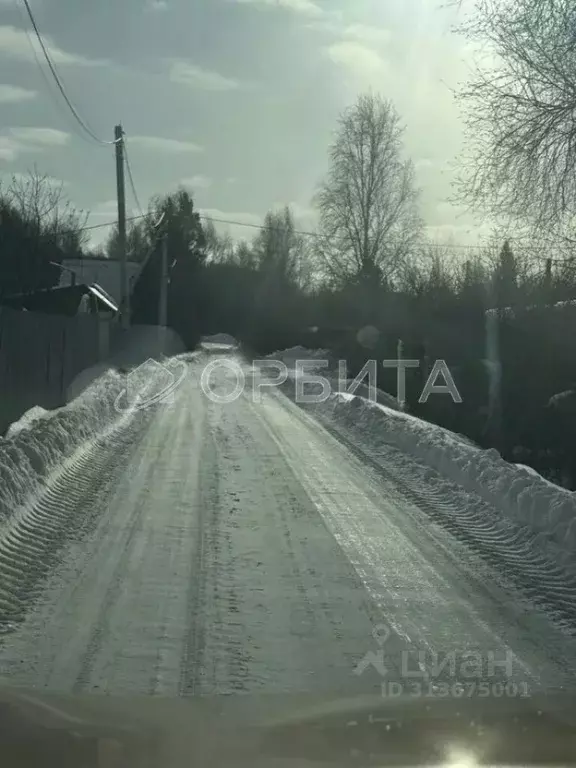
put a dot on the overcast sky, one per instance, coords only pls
(235, 98)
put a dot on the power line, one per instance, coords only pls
(48, 83)
(131, 178)
(263, 227)
(57, 79)
(96, 226)
(320, 236)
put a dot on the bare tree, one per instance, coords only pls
(520, 107)
(219, 248)
(279, 249)
(369, 220)
(49, 215)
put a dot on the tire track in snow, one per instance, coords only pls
(192, 665)
(504, 546)
(128, 553)
(33, 540)
(100, 628)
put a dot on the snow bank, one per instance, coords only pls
(518, 520)
(221, 339)
(520, 493)
(27, 420)
(290, 356)
(523, 496)
(43, 469)
(328, 368)
(40, 441)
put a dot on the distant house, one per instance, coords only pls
(102, 272)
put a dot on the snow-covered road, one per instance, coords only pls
(198, 548)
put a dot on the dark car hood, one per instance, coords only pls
(38, 728)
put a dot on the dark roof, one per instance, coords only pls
(102, 272)
(60, 301)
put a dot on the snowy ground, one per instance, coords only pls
(192, 546)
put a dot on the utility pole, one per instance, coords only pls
(401, 392)
(163, 309)
(121, 193)
(163, 303)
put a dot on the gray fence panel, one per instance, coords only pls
(40, 355)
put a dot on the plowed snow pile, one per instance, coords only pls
(524, 500)
(304, 364)
(521, 494)
(40, 442)
(221, 339)
(290, 356)
(47, 460)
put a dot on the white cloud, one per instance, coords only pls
(241, 218)
(304, 7)
(367, 34)
(160, 144)
(18, 141)
(45, 137)
(197, 182)
(156, 6)
(362, 62)
(362, 33)
(10, 149)
(11, 93)
(196, 77)
(16, 44)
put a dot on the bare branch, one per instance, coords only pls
(48, 214)
(368, 203)
(520, 111)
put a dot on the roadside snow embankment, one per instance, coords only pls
(303, 364)
(220, 339)
(519, 493)
(41, 441)
(52, 461)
